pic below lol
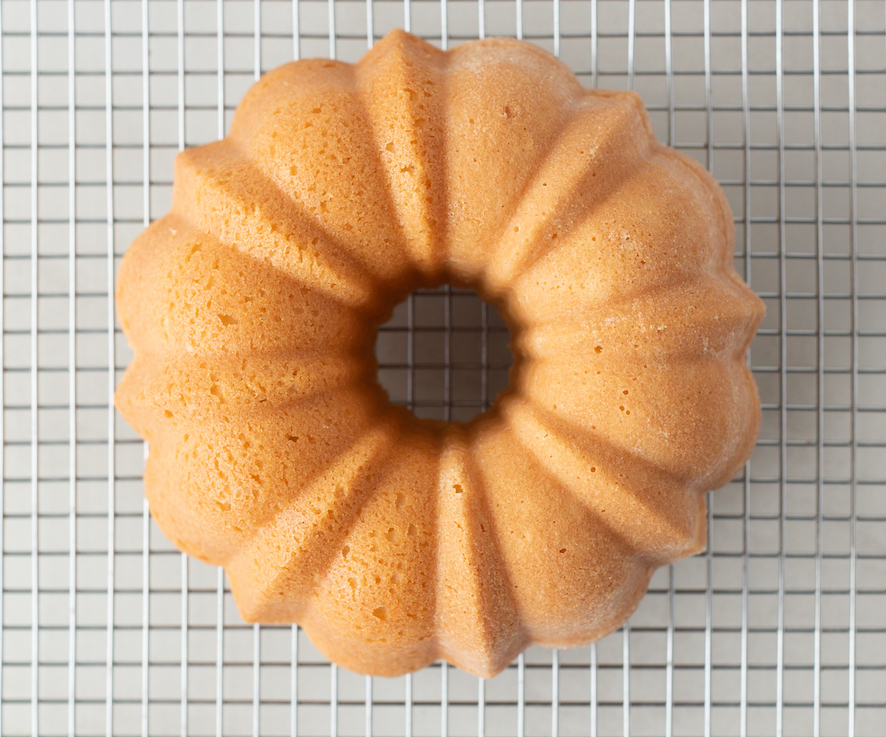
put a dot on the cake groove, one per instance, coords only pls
(485, 178)
(318, 147)
(665, 322)
(629, 502)
(385, 589)
(709, 395)
(227, 476)
(254, 384)
(621, 143)
(269, 575)
(249, 213)
(570, 575)
(186, 281)
(478, 620)
(411, 148)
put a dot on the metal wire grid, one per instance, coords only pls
(778, 629)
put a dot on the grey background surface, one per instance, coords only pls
(779, 629)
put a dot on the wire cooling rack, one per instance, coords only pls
(779, 629)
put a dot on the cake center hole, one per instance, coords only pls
(444, 354)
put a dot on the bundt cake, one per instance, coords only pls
(253, 307)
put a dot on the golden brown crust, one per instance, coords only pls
(253, 307)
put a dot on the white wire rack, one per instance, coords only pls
(779, 629)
